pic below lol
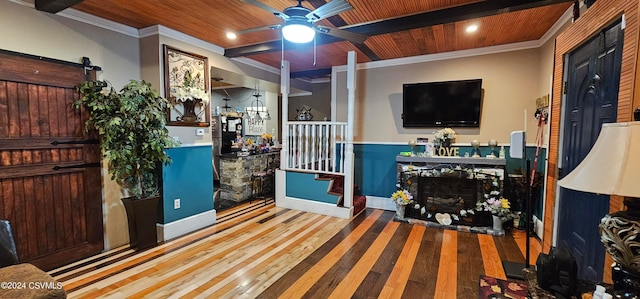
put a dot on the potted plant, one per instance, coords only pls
(492, 203)
(402, 198)
(133, 138)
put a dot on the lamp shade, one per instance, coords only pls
(613, 164)
(297, 32)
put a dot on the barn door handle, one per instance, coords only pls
(85, 165)
(89, 141)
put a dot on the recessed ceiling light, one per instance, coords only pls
(231, 35)
(472, 28)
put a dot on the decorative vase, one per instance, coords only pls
(619, 234)
(190, 110)
(400, 211)
(446, 143)
(497, 223)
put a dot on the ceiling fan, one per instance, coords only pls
(299, 27)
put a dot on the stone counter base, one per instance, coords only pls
(236, 182)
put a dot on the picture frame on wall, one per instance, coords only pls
(186, 80)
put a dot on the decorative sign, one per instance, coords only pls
(256, 124)
(542, 102)
(255, 129)
(448, 151)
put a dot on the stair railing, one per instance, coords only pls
(316, 146)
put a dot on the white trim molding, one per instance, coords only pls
(382, 203)
(83, 17)
(184, 226)
(183, 37)
(567, 16)
(317, 207)
(256, 64)
(465, 53)
(172, 33)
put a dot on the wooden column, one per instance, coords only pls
(348, 153)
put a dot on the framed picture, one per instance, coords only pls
(186, 79)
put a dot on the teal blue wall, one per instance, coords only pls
(305, 186)
(190, 178)
(375, 172)
(375, 165)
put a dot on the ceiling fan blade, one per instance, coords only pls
(272, 27)
(343, 34)
(330, 9)
(268, 8)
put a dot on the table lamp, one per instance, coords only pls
(613, 167)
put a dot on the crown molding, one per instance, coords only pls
(83, 17)
(177, 35)
(567, 16)
(301, 94)
(86, 18)
(445, 56)
(318, 80)
(172, 33)
(24, 3)
(256, 64)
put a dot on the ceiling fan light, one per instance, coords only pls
(231, 35)
(298, 33)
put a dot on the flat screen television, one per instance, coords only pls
(442, 104)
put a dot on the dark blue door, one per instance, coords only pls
(591, 99)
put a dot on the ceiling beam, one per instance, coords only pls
(443, 16)
(311, 73)
(55, 6)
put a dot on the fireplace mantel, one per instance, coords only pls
(452, 160)
(447, 184)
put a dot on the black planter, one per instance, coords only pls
(142, 218)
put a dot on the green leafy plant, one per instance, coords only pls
(133, 137)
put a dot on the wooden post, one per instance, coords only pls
(281, 177)
(284, 91)
(348, 153)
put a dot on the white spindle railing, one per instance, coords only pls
(316, 146)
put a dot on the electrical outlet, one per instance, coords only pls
(176, 203)
(199, 132)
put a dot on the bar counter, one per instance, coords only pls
(236, 173)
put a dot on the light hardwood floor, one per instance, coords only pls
(258, 250)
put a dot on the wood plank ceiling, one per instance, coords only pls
(396, 28)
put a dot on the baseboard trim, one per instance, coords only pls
(183, 226)
(311, 206)
(382, 203)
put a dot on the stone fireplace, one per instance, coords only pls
(446, 184)
(441, 194)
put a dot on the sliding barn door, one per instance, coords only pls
(50, 186)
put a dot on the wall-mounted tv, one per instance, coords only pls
(442, 104)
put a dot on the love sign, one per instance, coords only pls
(448, 151)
